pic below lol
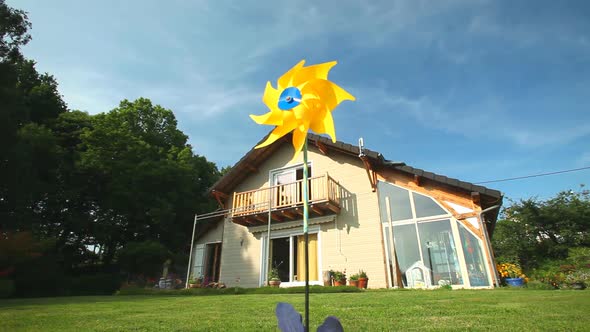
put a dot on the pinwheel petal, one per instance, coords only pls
(275, 116)
(319, 71)
(289, 123)
(299, 137)
(270, 96)
(331, 94)
(285, 80)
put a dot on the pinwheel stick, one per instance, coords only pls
(305, 232)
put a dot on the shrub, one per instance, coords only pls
(539, 285)
(96, 284)
(143, 258)
(6, 288)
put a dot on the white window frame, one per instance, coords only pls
(315, 229)
(456, 238)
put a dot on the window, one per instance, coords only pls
(476, 269)
(425, 241)
(288, 189)
(287, 255)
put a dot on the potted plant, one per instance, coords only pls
(363, 280)
(511, 274)
(195, 282)
(339, 278)
(353, 280)
(273, 278)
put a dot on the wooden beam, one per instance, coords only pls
(464, 216)
(370, 172)
(251, 168)
(221, 194)
(220, 198)
(299, 211)
(260, 218)
(475, 197)
(317, 210)
(249, 221)
(275, 216)
(417, 179)
(288, 214)
(333, 207)
(322, 147)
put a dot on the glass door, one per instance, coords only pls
(284, 183)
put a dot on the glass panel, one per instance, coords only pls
(399, 201)
(406, 246)
(476, 270)
(440, 255)
(426, 206)
(280, 260)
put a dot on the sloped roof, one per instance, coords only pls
(255, 157)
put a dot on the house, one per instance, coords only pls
(403, 226)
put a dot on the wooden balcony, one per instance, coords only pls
(251, 208)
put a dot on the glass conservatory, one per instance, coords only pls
(426, 246)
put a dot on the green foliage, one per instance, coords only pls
(88, 184)
(446, 287)
(95, 284)
(143, 258)
(6, 288)
(14, 25)
(533, 231)
(354, 277)
(563, 273)
(539, 285)
(362, 274)
(274, 274)
(146, 174)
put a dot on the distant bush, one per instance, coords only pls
(539, 285)
(96, 284)
(236, 290)
(143, 258)
(6, 288)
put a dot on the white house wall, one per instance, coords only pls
(353, 242)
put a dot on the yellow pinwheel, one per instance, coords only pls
(304, 99)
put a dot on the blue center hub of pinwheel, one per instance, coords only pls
(290, 97)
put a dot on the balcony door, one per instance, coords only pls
(288, 190)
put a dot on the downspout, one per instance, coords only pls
(190, 255)
(488, 243)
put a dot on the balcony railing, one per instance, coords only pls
(285, 201)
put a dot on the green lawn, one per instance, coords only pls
(499, 310)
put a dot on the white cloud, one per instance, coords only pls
(489, 119)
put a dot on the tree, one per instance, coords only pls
(533, 231)
(148, 181)
(14, 25)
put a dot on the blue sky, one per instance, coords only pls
(476, 90)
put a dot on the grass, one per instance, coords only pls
(500, 310)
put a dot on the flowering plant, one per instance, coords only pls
(510, 270)
(577, 277)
